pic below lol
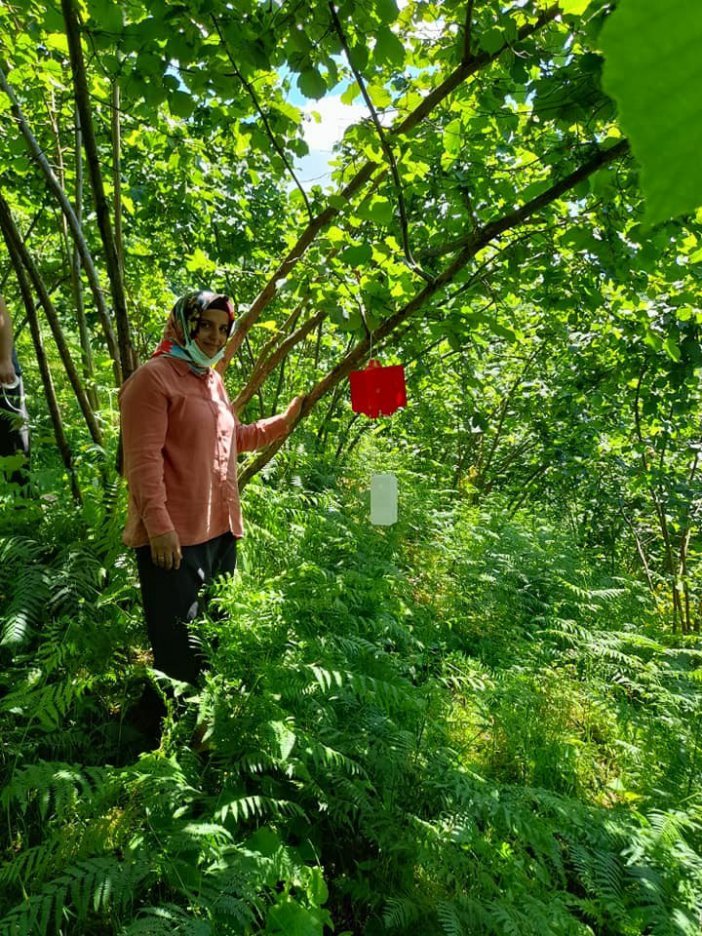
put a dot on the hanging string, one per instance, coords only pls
(369, 333)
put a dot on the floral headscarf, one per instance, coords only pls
(179, 336)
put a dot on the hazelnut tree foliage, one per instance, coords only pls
(484, 224)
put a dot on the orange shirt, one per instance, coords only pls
(181, 439)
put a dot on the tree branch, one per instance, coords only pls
(476, 242)
(267, 365)
(114, 271)
(467, 30)
(19, 250)
(520, 215)
(67, 208)
(387, 149)
(261, 113)
(456, 78)
(43, 363)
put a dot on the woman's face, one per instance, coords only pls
(212, 331)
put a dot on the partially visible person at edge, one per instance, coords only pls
(14, 420)
(181, 439)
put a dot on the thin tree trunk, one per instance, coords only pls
(12, 234)
(117, 175)
(114, 272)
(43, 363)
(77, 286)
(538, 472)
(72, 255)
(76, 230)
(684, 548)
(659, 510)
(639, 548)
(483, 469)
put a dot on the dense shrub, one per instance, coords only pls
(461, 724)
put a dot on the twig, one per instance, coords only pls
(467, 32)
(271, 136)
(114, 269)
(365, 172)
(387, 149)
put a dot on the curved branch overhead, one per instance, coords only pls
(499, 120)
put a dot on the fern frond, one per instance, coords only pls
(167, 919)
(241, 808)
(400, 913)
(27, 606)
(449, 918)
(56, 787)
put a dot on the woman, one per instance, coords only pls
(180, 440)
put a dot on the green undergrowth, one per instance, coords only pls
(462, 724)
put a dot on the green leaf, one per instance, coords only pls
(284, 736)
(387, 10)
(199, 262)
(672, 349)
(57, 42)
(149, 65)
(389, 50)
(107, 14)
(311, 83)
(379, 95)
(351, 93)
(453, 137)
(653, 70)
(357, 255)
(181, 104)
(491, 40)
(289, 918)
(379, 209)
(575, 7)
(316, 888)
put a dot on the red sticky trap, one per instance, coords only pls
(378, 391)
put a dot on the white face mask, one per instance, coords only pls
(198, 356)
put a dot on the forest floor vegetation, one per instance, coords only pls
(466, 723)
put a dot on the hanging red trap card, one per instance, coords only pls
(378, 391)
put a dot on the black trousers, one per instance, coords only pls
(172, 599)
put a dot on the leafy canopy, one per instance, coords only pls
(654, 71)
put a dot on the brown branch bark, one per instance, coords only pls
(467, 31)
(76, 284)
(117, 176)
(76, 230)
(114, 272)
(262, 371)
(476, 242)
(367, 170)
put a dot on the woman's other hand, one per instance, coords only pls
(293, 410)
(165, 550)
(7, 372)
